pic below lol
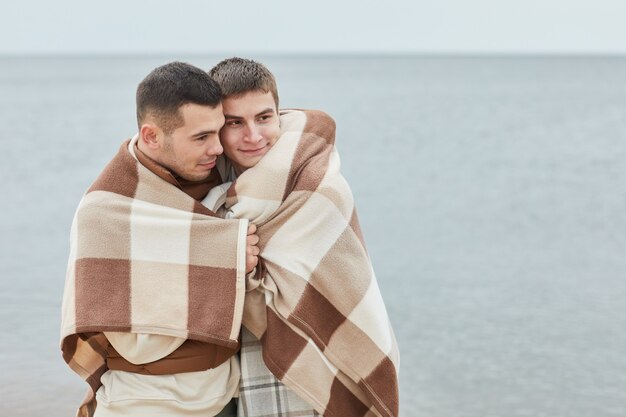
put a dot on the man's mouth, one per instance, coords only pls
(208, 165)
(253, 151)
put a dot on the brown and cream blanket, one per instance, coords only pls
(316, 308)
(145, 257)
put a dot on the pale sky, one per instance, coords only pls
(318, 26)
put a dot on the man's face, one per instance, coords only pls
(191, 150)
(251, 129)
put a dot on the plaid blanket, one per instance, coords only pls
(317, 308)
(147, 258)
(261, 394)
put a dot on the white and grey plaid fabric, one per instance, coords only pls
(260, 393)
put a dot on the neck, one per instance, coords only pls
(238, 169)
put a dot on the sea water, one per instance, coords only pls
(491, 192)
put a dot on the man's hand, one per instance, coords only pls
(252, 250)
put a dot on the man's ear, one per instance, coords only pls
(148, 135)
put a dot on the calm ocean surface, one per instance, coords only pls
(491, 191)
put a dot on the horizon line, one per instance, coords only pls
(322, 54)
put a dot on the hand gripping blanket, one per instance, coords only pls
(316, 308)
(147, 258)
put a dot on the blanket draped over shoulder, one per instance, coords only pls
(147, 258)
(316, 306)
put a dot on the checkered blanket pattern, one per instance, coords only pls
(147, 258)
(261, 394)
(315, 305)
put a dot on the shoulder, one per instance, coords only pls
(307, 120)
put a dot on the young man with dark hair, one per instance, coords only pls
(316, 338)
(155, 281)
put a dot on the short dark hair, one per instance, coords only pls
(170, 86)
(238, 76)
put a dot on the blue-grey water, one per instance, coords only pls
(491, 191)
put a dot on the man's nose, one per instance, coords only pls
(253, 134)
(215, 147)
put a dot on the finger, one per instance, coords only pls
(252, 261)
(251, 228)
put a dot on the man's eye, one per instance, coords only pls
(265, 117)
(233, 123)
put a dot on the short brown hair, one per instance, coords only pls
(238, 76)
(168, 87)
